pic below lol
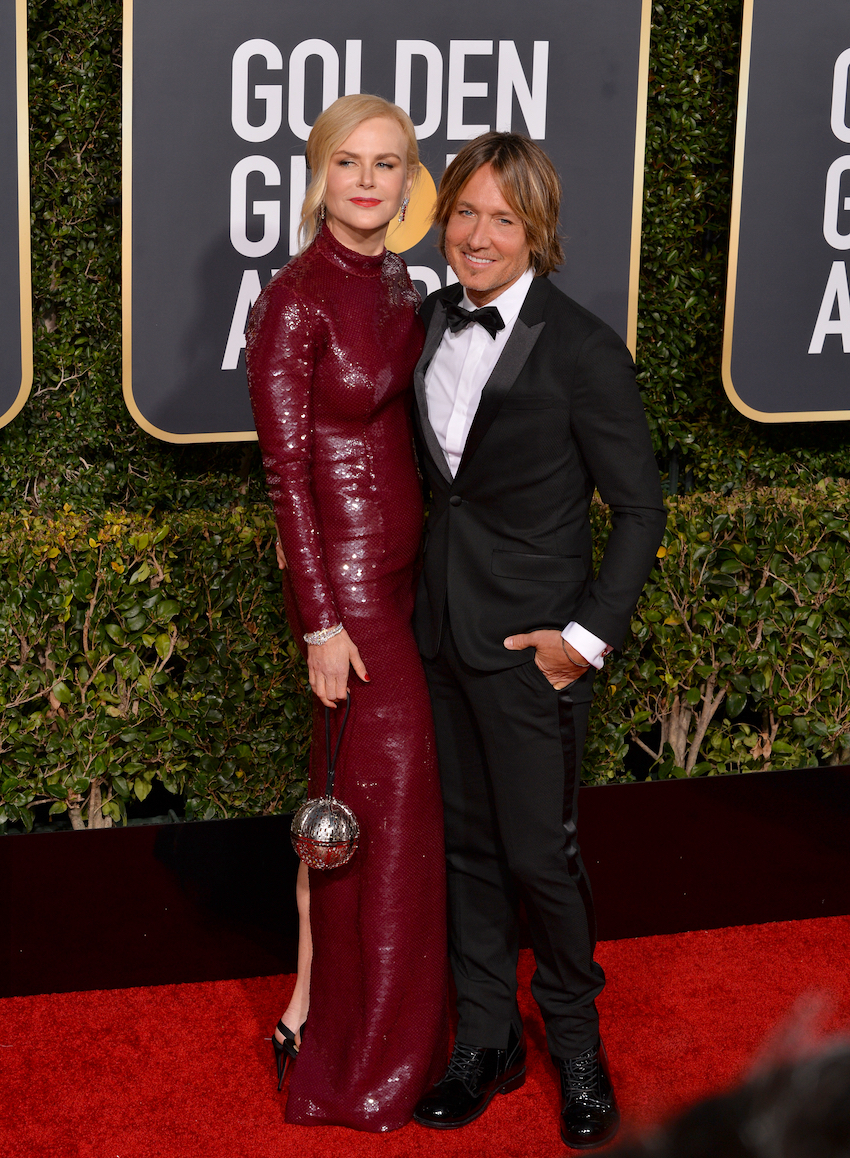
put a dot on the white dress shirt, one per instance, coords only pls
(454, 381)
(461, 366)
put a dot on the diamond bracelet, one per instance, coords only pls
(326, 633)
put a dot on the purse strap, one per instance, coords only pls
(329, 790)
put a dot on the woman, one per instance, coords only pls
(331, 348)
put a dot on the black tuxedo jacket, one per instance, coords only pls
(508, 539)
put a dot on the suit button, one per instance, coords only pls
(455, 500)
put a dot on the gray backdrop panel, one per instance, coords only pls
(784, 260)
(185, 272)
(11, 363)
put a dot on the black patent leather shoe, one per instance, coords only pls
(589, 1114)
(474, 1077)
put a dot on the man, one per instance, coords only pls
(526, 403)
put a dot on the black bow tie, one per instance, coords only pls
(488, 317)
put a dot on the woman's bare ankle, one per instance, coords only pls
(293, 1018)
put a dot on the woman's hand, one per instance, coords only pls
(329, 664)
(281, 558)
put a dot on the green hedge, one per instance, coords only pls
(133, 649)
(739, 659)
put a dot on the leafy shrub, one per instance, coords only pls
(132, 650)
(748, 611)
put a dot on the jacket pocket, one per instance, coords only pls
(539, 568)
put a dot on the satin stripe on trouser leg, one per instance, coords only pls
(509, 749)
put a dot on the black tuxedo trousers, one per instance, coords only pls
(510, 755)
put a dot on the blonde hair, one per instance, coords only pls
(334, 126)
(529, 182)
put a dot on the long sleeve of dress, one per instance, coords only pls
(283, 343)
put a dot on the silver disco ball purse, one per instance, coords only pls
(325, 831)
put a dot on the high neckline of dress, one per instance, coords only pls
(363, 264)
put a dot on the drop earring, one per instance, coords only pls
(403, 209)
(322, 213)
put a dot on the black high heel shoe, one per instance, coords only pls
(285, 1051)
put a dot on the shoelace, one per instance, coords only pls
(464, 1065)
(581, 1075)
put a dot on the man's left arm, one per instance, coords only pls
(610, 430)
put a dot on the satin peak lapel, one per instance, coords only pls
(432, 342)
(506, 371)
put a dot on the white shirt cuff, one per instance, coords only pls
(585, 643)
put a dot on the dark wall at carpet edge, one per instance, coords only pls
(215, 899)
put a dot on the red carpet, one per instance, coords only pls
(184, 1071)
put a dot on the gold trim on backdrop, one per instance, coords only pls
(640, 168)
(24, 238)
(734, 239)
(127, 261)
(126, 211)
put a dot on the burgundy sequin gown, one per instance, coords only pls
(331, 349)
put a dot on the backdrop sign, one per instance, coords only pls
(219, 101)
(786, 353)
(15, 279)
